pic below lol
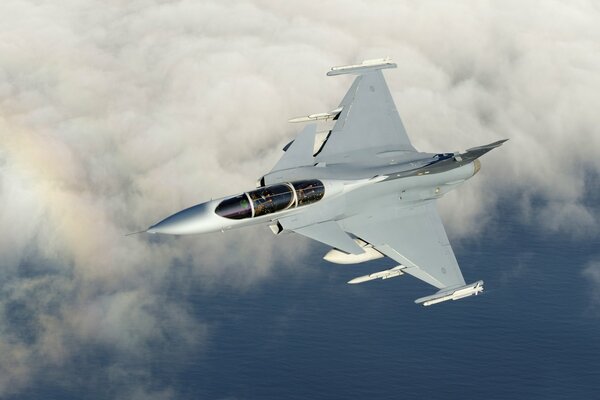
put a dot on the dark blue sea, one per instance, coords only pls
(534, 334)
(305, 334)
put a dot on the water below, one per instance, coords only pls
(305, 334)
(532, 335)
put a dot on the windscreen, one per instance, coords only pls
(237, 207)
(270, 199)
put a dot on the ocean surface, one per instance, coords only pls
(534, 334)
(306, 334)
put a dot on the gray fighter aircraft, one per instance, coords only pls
(359, 187)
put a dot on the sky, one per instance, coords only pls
(116, 114)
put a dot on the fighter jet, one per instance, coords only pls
(359, 186)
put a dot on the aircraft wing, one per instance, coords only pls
(367, 125)
(412, 236)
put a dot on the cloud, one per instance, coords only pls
(114, 115)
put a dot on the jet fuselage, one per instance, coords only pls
(343, 191)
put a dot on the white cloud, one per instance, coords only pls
(114, 115)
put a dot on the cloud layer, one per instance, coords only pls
(114, 115)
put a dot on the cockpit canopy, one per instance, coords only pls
(270, 199)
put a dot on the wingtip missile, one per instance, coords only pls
(365, 66)
(456, 293)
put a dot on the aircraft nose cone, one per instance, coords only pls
(183, 222)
